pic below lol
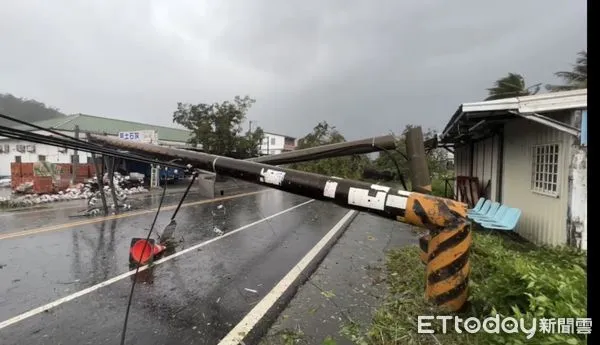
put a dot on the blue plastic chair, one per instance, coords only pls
(508, 222)
(477, 206)
(491, 212)
(483, 210)
(496, 218)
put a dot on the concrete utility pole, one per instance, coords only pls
(75, 158)
(99, 175)
(417, 161)
(110, 167)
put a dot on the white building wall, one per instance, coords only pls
(53, 154)
(272, 144)
(544, 217)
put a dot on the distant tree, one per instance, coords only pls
(576, 78)
(249, 145)
(25, 109)
(217, 127)
(512, 85)
(346, 167)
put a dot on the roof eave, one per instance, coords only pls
(575, 99)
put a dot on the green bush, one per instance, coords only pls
(508, 277)
(437, 188)
(519, 280)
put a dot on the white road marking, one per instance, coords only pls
(237, 334)
(93, 288)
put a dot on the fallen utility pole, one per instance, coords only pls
(448, 250)
(347, 148)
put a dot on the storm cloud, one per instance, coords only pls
(367, 67)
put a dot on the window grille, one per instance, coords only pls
(545, 169)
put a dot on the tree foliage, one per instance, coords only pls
(574, 79)
(512, 85)
(436, 159)
(217, 127)
(25, 109)
(346, 167)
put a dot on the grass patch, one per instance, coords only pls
(508, 277)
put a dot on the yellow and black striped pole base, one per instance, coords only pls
(447, 246)
(423, 242)
(448, 267)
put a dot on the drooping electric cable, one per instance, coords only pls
(391, 157)
(69, 142)
(137, 269)
(168, 231)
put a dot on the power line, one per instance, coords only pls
(71, 143)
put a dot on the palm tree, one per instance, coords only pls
(576, 79)
(513, 85)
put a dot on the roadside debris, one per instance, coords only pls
(251, 290)
(124, 185)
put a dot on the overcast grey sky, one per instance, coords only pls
(367, 67)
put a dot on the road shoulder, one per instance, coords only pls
(341, 296)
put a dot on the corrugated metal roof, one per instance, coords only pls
(546, 102)
(536, 103)
(100, 125)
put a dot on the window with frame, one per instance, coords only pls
(272, 141)
(545, 169)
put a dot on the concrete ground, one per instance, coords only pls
(346, 289)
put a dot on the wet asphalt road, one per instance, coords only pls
(195, 298)
(67, 211)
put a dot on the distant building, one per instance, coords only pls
(12, 150)
(530, 153)
(273, 144)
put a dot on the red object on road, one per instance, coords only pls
(143, 251)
